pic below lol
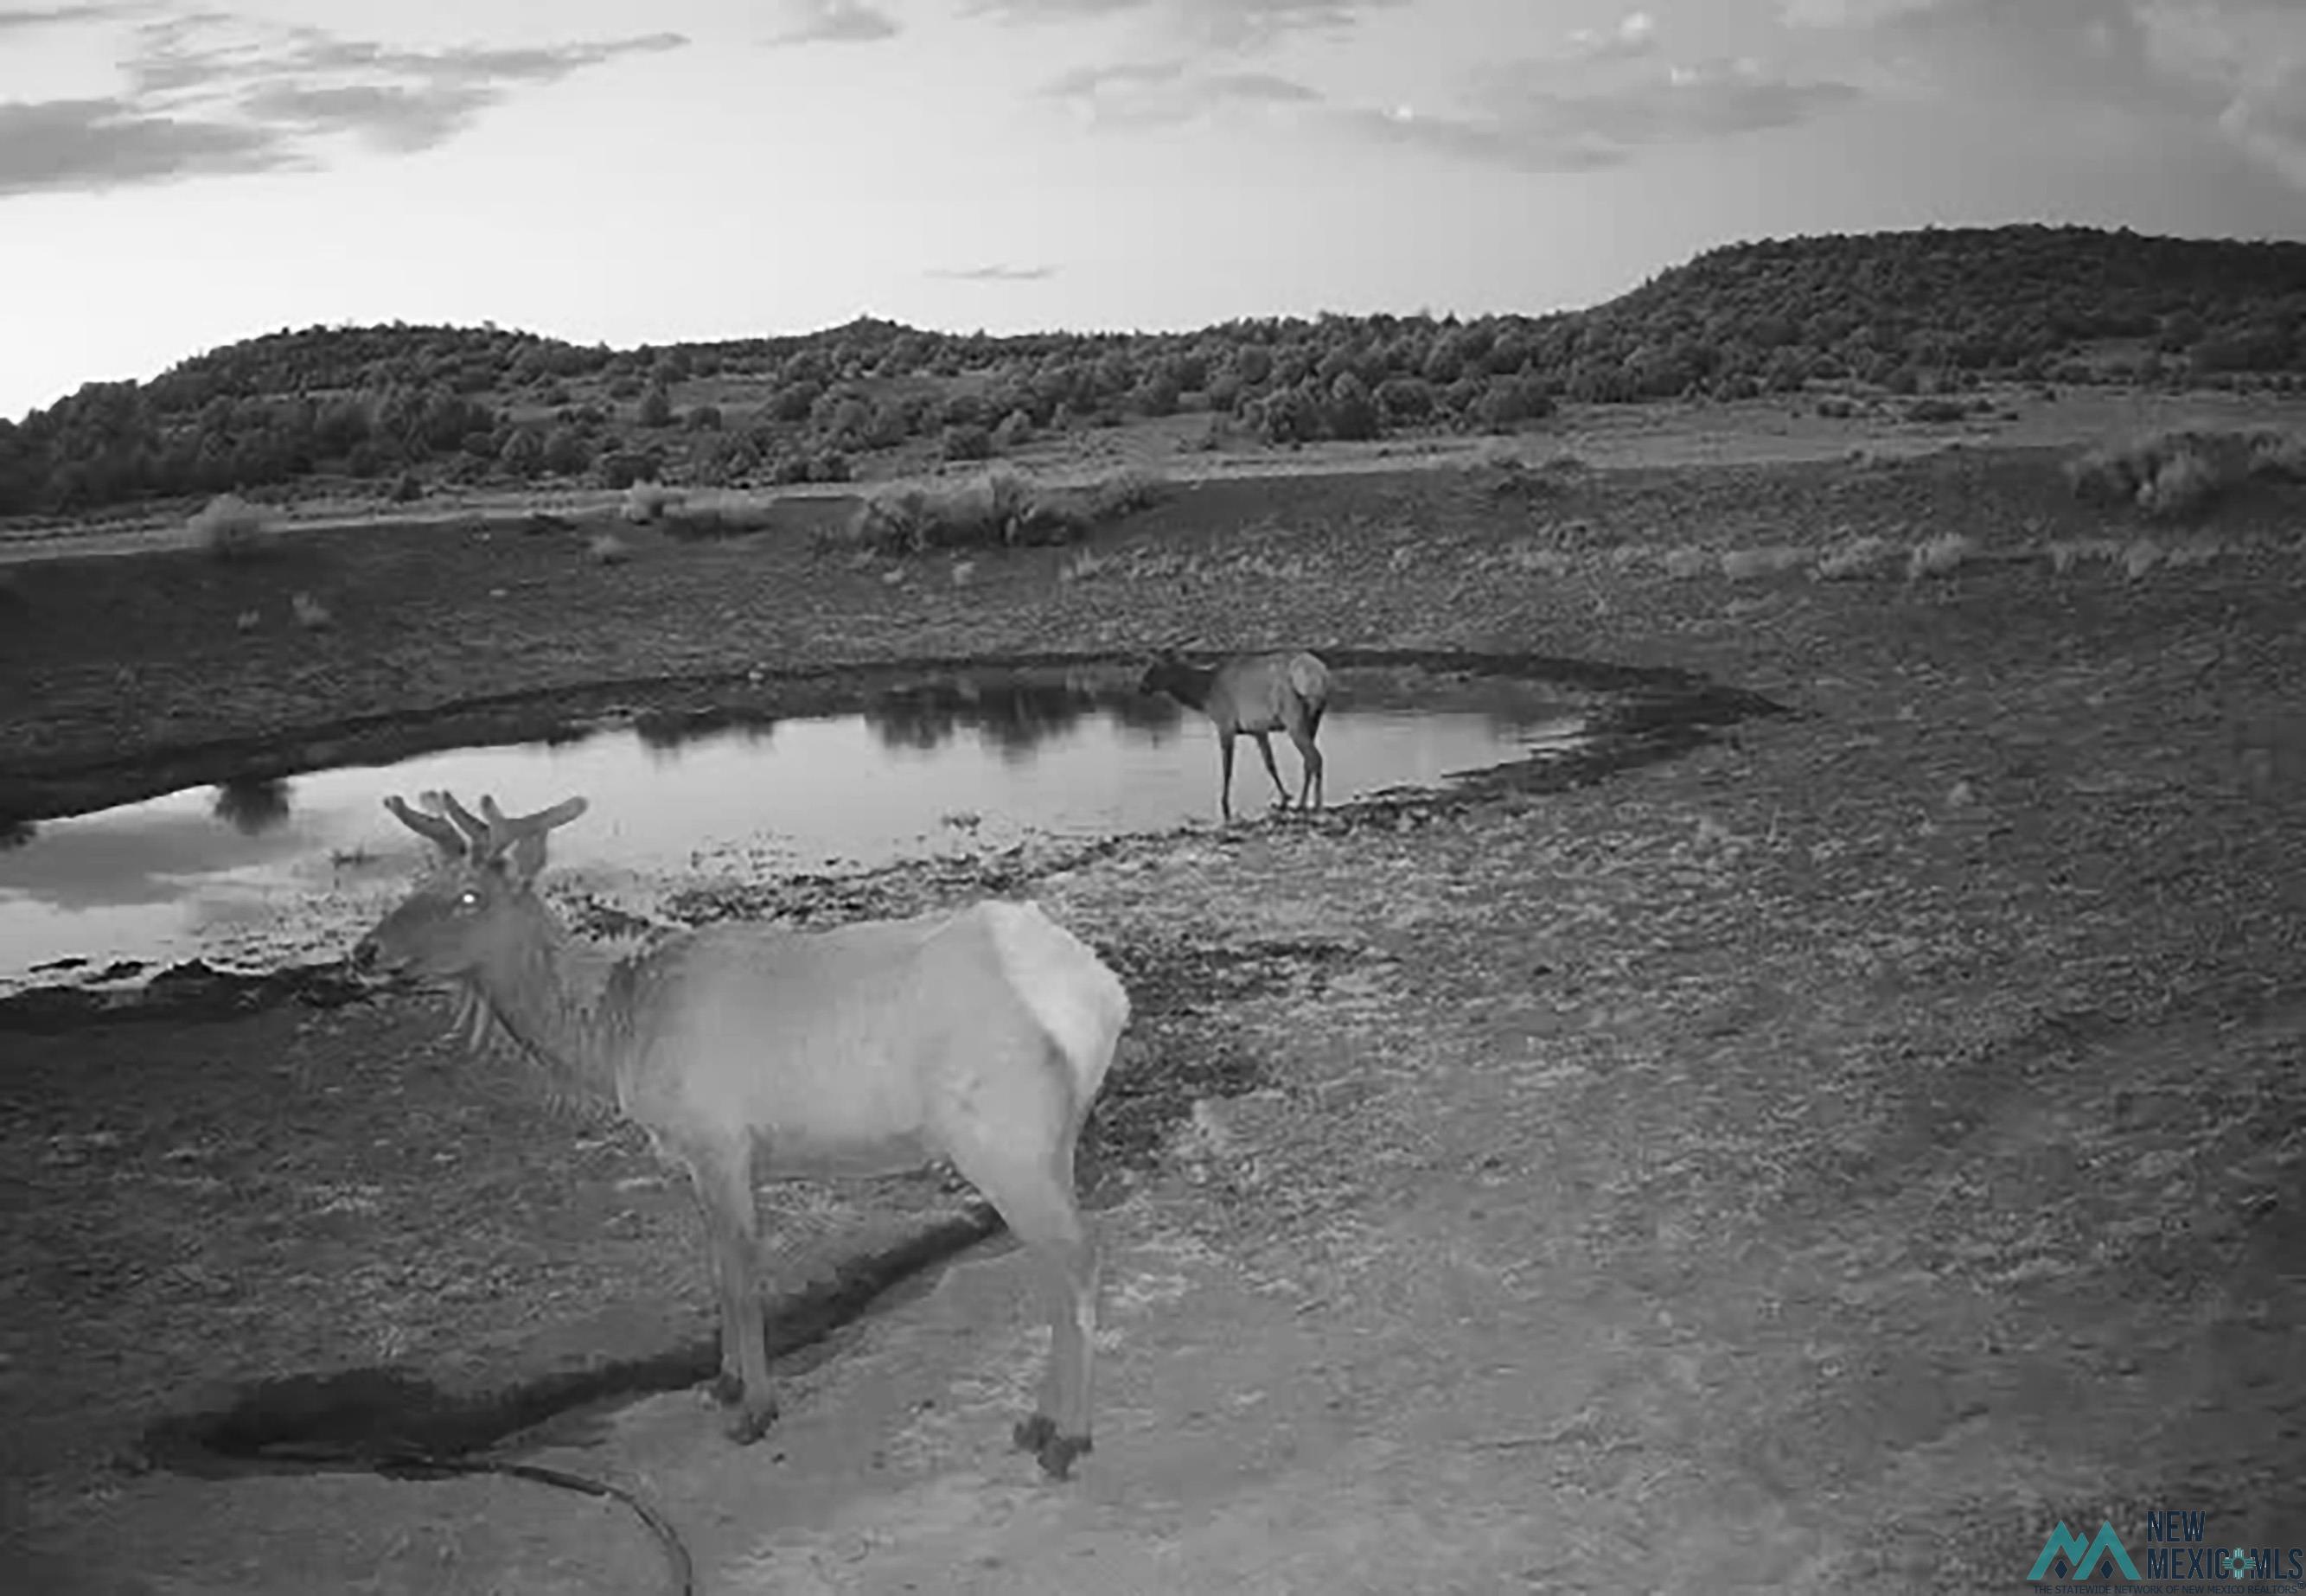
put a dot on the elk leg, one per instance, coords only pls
(1310, 757)
(1265, 747)
(1034, 1192)
(1225, 774)
(725, 1191)
(1065, 1259)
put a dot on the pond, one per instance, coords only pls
(258, 872)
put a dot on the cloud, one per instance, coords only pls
(1563, 113)
(389, 115)
(1480, 139)
(1169, 93)
(2269, 125)
(993, 274)
(1634, 38)
(1224, 23)
(837, 21)
(321, 52)
(2233, 69)
(1598, 101)
(2086, 49)
(95, 144)
(1845, 14)
(210, 93)
(401, 100)
(48, 16)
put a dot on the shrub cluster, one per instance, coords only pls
(2180, 475)
(999, 509)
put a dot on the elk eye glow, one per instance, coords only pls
(468, 898)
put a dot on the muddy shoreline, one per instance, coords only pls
(1669, 713)
(755, 696)
(120, 677)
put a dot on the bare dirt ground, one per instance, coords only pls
(1820, 1162)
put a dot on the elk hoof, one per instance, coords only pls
(752, 1421)
(1039, 1435)
(728, 1389)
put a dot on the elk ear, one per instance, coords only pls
(524, 859)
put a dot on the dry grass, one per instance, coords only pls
(1146, 565)
(1525, 554)
(1940, 556)
(229, 527)
(1083, 566)
(1848, 556)
(2133, 557)
(1854, 559)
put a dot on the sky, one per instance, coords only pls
(175, 177)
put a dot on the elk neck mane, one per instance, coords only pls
(1191, 685)
(564, 1010)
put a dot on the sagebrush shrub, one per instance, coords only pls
(229, 527)
(2179, 474)
(1000, 510)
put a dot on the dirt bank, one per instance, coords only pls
(1824, 1159)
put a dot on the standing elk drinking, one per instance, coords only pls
(1258, 695)
(980, 1038)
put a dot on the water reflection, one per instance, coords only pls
(666, 734)
(257, 871)
(252, 806)
(1013, 716)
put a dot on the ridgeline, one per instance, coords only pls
(398, 408)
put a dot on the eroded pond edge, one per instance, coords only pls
(1659, 714)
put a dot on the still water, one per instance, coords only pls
(255, 874)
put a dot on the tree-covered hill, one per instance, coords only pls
(1929, 311)
(2024, 302)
